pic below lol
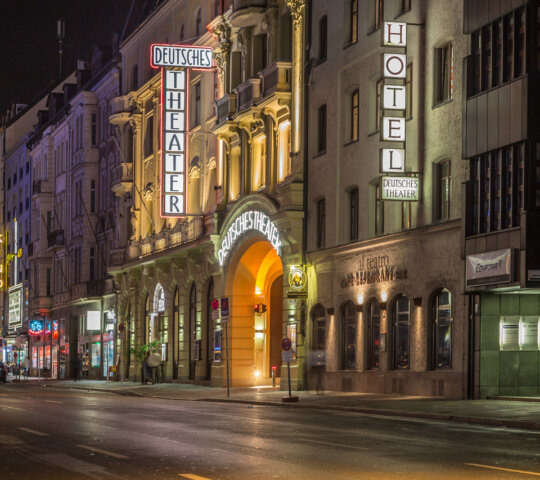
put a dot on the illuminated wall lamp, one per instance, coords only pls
(259, 334)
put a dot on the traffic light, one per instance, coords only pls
(260, 308)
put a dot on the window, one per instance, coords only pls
(441, 330)
(354, 21)
(348, 345)
(404, 6)
(355, 97)
(353, 210)
(321, 129)
(444, 74)
(379, 211)
(198, 22)
(92, 196)
(149, 136)
(373, 334)
(323, 38)
(92, 263)
(135, 77)
(48, 281)
(378, 93)
(443, 190)
(94, 129)
(318, 339)
(192, 331)
(400, 333)
(181, 36)
(375, 14)
(197, 105)
(408, 92)
(321, 223)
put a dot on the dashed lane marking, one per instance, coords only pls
(104, 452)
(53, 401)
(536, 474)
(35, 432)
(192, 476)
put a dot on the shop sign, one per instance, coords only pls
(297, 278)
(490, 267)
(250, 220)
(175, 62)
(403, 189)
(15, 306)
(375, 269)
(93, 320)
(35, 327)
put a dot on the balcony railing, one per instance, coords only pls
(92, 288)
(248, 92)
(118, 256)
(56, 238)
(225, 106)
(241, 4)
(276, 78)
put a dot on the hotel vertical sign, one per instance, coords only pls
(175, 62)
(393, 124)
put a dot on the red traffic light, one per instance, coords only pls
(215, 304)
(260, 308)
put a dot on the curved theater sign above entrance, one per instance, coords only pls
(251, 220)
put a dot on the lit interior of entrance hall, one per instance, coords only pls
(255, 276)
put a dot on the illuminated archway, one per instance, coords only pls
(254, 276)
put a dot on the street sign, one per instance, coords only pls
(225, 307)
(215, 315)
(287, 356)
(286, 345)
(224, 319)
(215, 304)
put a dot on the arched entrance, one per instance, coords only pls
(255, 276)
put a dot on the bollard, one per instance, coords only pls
(274, 368)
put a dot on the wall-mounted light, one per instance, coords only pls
(384, 296)
(259, 334)
(360, 299)
(258, 291)
(257, 374)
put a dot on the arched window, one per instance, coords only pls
(373, 334)
(401, 316)
(441, 330)
(348, 336)
(198, 24)
(318, 338)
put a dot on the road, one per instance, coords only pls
(49, 433)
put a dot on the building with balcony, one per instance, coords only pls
(244, 175)
(386, 310)
(500, 197)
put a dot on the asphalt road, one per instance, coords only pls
(56, 434)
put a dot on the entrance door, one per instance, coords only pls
(276, 325)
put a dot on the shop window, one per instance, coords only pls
(348, 336)
(400, 323)
(373, 334)
(318, 339)
(209, 350)
(444, 71)
(441, 330)
(148, 319)
(193, 352)
(180, 331)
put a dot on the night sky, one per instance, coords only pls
(29, 48)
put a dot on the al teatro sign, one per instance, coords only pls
(252, 220)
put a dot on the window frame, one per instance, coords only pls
(435, 330)
(323, 39)
(354, 116)
(396, 325)
(443, 82)
(353, 24)
(321, 223)
(348, 336)
(322, 119)
(354, 210)
(373, 335)
(318, 349)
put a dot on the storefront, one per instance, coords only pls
(383, 319)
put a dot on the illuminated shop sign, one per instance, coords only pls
(93, 320)
(35, 327)
(404, 189)
(15, 306)
(181, 56)
(175, 61)
(490, 267)
(250, 220)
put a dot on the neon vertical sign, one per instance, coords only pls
(175, 62)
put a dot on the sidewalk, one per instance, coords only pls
(518, 413)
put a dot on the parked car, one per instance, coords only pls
(3, 372)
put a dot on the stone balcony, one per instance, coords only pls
(118, 256)
(225, 107)
(185, 231)
(84, 290)
(122, 179)
(247, 93)
(247, 12)
(56, 239)
(120, 110)
(276, 78)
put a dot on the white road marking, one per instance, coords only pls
(104, 452)
(192, 476)
(333, 444)
(11, 408)
(35, 432)
(53, 401)
(536, 474)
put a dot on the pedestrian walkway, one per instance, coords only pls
(518, 413)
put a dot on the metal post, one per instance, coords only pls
(227, 353)
(38, 363)
(289, 377)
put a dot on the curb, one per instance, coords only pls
(490, 422)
